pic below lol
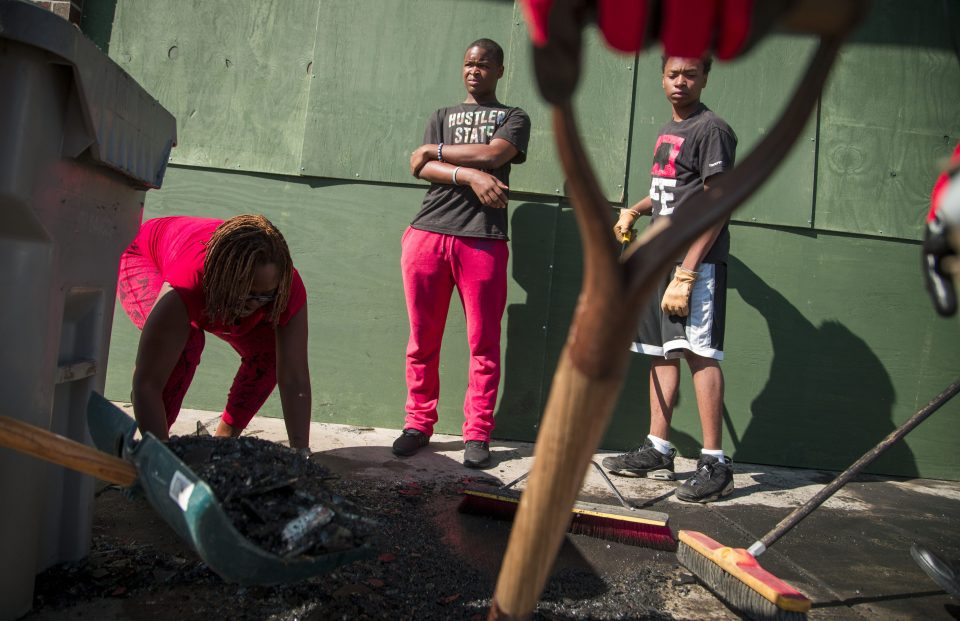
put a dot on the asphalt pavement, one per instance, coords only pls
(851, 556)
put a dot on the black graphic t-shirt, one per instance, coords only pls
(455, 209)
(687, 153)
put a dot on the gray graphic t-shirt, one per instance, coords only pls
(687, 153)
(455, 209)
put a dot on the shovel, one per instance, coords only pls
(184, 500)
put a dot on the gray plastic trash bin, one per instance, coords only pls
(80, 144)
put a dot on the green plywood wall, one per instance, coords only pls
(369, 104)
(750, 94)
(296, 87)
(314, 96)
(236, 75)
(831, 341)
(886, 121)
(603, 105)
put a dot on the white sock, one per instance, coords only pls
(660, 444)
(718, 453)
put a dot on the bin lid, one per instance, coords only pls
(123, 126)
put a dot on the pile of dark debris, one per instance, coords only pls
(430, 562)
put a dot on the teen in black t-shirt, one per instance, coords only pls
(685, 318)
(459, 239)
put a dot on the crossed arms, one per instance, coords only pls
(469, 161)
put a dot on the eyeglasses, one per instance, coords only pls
(262, 299)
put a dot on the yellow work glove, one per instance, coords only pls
(676, 300)
(623, 228)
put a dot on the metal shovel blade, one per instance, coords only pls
(189, 506)
(110, 427)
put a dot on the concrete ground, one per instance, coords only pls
(851, 556)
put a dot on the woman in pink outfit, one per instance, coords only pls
(184, 276)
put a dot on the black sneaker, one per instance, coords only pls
(646, 461)
(476, 454)
(712, 481)
(409, 442)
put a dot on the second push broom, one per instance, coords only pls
(734, 573)
(626, 524)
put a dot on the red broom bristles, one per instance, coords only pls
(633, 527)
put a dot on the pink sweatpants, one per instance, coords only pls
(432, 265)
(137, 289)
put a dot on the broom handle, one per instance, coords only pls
(31, 440)
(820, 497)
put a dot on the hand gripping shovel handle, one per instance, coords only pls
(42, 444)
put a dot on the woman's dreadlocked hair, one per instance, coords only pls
(237, 247)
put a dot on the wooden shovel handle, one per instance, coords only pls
(590, 374)
(575, 417)
(26, 438)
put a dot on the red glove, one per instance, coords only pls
(687, 28)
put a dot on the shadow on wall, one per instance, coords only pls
(548, 265)
(828, 399)
(524, 381)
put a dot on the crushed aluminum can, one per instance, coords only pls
(295, 532)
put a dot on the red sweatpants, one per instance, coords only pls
(137, 289)
(432, 265)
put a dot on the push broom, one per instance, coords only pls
(625, 524)
(592, 364)
(734, 573)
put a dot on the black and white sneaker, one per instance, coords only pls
(712, 481)
(646, 461)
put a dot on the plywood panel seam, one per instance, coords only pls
(546, 377)
(313, 80)
(624, 189)
(816, 164)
